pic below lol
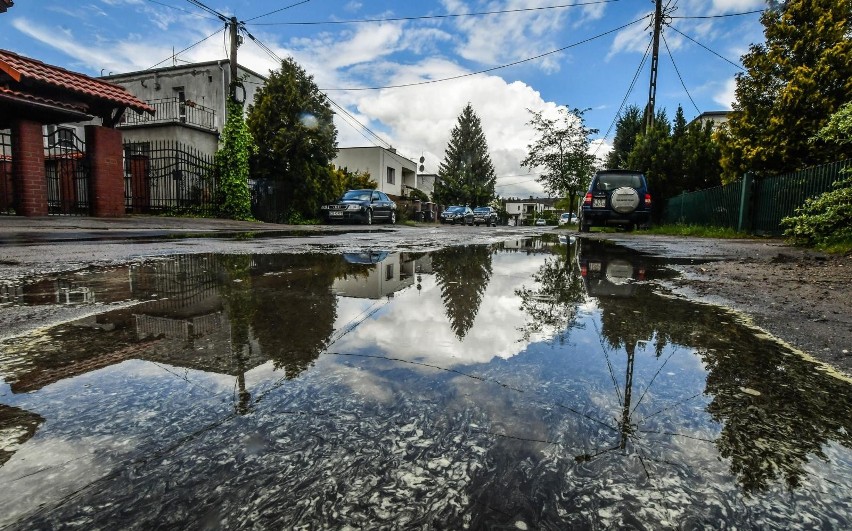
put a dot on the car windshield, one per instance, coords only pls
(357, 195)
(455, 209)
(566, 215)
(611, 181)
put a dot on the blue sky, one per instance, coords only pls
(349, 44)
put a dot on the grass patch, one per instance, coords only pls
(697, 231)
(837, 246)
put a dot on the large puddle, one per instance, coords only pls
(533, 384)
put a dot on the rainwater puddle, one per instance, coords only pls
(532, 384)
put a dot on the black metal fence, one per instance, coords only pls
(168, 177)
(754, 204)
(66, 169)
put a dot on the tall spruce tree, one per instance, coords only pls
(627, 128)
(466, 175)
(792, 84)
(291, 122)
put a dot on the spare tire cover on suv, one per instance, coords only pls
(624, 200)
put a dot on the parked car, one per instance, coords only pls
(568, 218)
(364, 206)
(457, 214)
(540, 221)
(609, 270)
(616, 197)
(485, 215)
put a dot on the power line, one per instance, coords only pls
(627, 95)
(706, 48)
(277, 10)
(180, 9)
(723, 16)
(469, 74)
(427, 17)
(666, 43)
(210, 10)
(185, 49)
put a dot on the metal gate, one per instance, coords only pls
(66, 169)
(7, 192)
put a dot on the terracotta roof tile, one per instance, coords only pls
(80, 84)
(38, 99)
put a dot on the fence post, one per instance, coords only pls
(745, 202)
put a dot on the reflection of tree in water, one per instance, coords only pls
(553, 305)
(463, 274)
(294, 307)
(777, 410)
(17, 426)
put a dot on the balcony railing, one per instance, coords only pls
(173, 111)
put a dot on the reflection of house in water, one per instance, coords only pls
(386, 274)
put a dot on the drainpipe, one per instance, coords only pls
(224, 94)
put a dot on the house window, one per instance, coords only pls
(62, 137)
(389, 272)
(391, 175)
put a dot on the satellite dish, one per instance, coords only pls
(422, 167)
(422, 159)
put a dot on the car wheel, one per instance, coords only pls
(392, 219)
(368, 220)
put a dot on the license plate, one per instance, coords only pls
(598, 203)
(335, 214)
(594, 266)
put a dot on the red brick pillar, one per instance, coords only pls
(106, 171)
(28, 168)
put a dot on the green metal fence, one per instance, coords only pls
(754, 204)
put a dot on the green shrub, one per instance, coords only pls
(824, 219)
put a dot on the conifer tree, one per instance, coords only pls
(792, 84)
(466, 175)
(627, 128)
(291, 122)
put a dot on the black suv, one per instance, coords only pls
(486, 215)
(616, 197)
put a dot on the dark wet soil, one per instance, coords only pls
(798, 295)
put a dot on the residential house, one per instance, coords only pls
(189, 100)
(390, 170)
(521, 210)
(717, 118)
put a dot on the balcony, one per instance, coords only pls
(173, 111)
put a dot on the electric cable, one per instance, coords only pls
(624, 100)
(426, 17)
(185, 49)
(210, 10)
(677, 71)
(705, 47)
(723, 16)
(277, 10)
(492, 69)
(181, 9)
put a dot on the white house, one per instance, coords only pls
(523, 209)
(390, 170)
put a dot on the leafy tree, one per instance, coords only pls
(627, 128)
(827, 219)
(792, 84)
(348, 180)
(291, 120)
(466, 175)
(561, 150)
(232, 165)
(652, 155)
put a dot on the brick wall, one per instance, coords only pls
(106, 177)
(28, 167)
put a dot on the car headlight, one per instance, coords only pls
(354, 207)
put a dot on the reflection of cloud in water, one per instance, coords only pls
(415, 326)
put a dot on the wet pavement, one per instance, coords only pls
(540, 382)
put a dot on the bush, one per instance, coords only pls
(824, 219)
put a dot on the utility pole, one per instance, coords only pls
(655, 55)
(232, 60)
